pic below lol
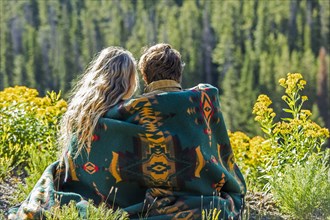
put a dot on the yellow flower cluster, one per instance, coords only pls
(28, 123)
(293, 83)
(250, 153)
(17, 94)
(283, 128)
(261, 109)
(290, 141)
(302, 125)
(45, 108)
(315, 131)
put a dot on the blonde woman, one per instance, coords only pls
(110, 79)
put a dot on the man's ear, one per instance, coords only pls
(145, 79)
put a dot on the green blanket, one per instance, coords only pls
(167, 156)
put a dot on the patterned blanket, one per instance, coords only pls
(167, 156)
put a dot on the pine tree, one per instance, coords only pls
(207, 45)
(230, 100)
(174, 35)
(292, 33)
(88, 48)
(261, 28)
(229, 58)
(76, 38)
(109, 32)
(19, 71)
(191, 30)
(8, 60)
(142, 30)
(3, 46)
(242, 47)
(247, 93)
(47, 43)
(33, 11)
(165, 28)
(65, 56)
(31, 57)
(325, 24)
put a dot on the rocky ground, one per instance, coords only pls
(8, 192)
(262, 207)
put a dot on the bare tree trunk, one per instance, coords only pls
(322, 88)
(207, 44)
(293, 24)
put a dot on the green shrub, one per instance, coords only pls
(38, 164)
(290, 141)
(294, 138)
(250, 154)
(303, 191)
(5, 166)
(28, 125)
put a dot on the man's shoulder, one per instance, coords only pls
(193, 91)
(201, 87)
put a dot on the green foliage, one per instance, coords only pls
(294, 138)
(28, 132)
(5, 165)
(239, 46)
(250, 154)
(2, 215)
(289, 159)
(303, 190)
(70, 212)
(37, 165)
(289, 141)
(28, 127)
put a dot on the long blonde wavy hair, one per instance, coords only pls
(109, 78)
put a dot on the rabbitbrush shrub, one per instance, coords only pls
(303, 191)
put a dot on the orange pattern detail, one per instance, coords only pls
(200, 162)
(90, 168)
(114, 168)
(218, 186)
(208, 111)
(159, 167)
(72, 169)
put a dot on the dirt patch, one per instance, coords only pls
(8, 191)
(261, 206)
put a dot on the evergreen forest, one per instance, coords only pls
(240, 46)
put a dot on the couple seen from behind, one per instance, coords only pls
(164, 154)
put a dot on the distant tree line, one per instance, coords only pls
(242, 47)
